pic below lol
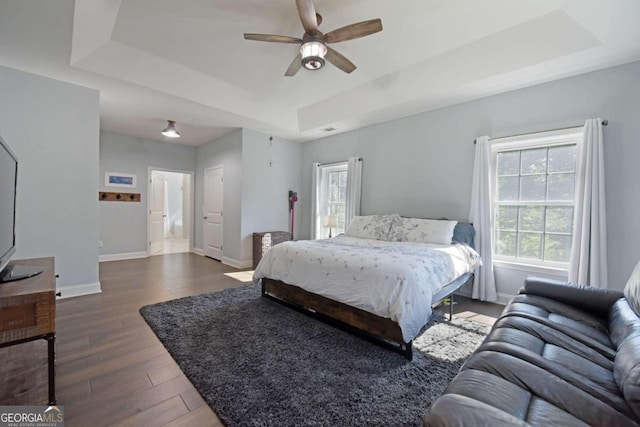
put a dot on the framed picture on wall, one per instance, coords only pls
(117, 179)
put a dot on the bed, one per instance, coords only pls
(381, 289)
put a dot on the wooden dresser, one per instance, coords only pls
(28, 312)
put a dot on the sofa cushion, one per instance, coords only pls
(632, 290)
(582, 366)
(488, 388)
(454, 410)
(564, 318)
(518, 343)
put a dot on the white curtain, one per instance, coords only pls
(354, 186)
(315, 201)
(484, 282)
(588, 261)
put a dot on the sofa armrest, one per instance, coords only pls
(595, 300)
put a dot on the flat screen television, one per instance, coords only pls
(8, 186)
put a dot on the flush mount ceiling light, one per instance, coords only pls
(313, 43)
(170, 131)
(313, 53)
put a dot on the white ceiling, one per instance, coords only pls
(154, 60)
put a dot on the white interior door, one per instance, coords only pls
(213, 192)
(157, 212)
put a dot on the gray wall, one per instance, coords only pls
(225, 151)
(53, 129)
(123, 226)
(265, 188)
(422, 165)
(255, 194)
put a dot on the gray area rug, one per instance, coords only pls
(259, 363)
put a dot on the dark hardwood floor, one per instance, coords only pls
(111, 368)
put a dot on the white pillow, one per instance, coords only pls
(422, 230)
(632, 290)
(371, 226)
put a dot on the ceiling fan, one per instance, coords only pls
(313, 44)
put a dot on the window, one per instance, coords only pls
(332, 189)
(337, 200)
(335, 196)
(534, 197)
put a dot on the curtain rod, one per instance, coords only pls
(337, 163)
(605, 122)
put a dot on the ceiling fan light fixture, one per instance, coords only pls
(313, 53)
(170, 131)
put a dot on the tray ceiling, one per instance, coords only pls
(155, 60)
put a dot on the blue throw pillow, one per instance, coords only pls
(464, 233)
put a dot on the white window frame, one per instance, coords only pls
(525, 142)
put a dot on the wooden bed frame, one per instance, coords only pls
(382, 331)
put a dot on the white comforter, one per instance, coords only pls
(389, 279)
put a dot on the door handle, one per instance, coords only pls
(205, 217)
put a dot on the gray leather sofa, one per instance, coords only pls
(560, 354)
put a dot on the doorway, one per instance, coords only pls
(213, 212)
(170, 211)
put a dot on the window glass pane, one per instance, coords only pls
(334, 194)
(534, 161)
(333, 179)
(557, 247)
(506, 243)
(340, 218)
(508, 163)
(508, 188)
(507, 218)
(342, 193)
(561, 187)
(343, 178)
(559, 219)
(530, 245)
(562, 159)
(533, 188)
(532, 218)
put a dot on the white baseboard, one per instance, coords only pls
(504, 298)
(240, 265)
(122, 256)
(197, 251)
(79, 290)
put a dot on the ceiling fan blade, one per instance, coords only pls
(307, 12)
(353, 31)
(295, 66)
(271, 38)
(339, 60)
